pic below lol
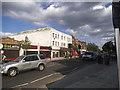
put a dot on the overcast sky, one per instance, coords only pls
(87, 21)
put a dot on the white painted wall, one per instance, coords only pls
(41, 37)
(45, 38)
(59, 39)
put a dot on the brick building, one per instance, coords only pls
(78, 45)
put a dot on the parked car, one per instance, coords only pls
(90, 55)
(10, 59)
(23, 63)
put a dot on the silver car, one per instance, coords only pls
(23, 63)
(90, 55)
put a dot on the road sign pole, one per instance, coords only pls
(117, 36)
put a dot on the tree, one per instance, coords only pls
(25, 44)
(109, 47)
(93, 47)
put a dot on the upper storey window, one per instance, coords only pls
(61, 37)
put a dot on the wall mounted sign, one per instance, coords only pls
(11, 46)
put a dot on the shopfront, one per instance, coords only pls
(10, 47)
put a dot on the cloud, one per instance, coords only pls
(5, 34)
(98, 7)
(90, 19)
(71, 31)
(39, 24)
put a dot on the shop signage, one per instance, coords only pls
(10, 46)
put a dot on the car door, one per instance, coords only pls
(26, 64)
(35, 60)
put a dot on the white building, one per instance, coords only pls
(45, 37)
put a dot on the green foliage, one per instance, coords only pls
(93, 47)
(75, 48)
(109, 47)
(25, 44)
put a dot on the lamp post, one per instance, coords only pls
(116, 23)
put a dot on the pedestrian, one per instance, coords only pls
(3, 57)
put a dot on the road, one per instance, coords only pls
(54, 71)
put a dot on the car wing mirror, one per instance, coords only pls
(23, 60)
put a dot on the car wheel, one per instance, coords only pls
(41, 67)
(12, 72)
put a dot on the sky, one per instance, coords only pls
(87, 21)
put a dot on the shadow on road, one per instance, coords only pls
(70, 65)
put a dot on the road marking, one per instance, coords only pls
(20, 85)
(74, 69)
(35, 80)
(44, 77)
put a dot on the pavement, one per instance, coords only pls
(93, 76)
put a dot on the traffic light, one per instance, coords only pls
(116, 14)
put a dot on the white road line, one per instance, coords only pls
(44, 77)
(35, 80)
(20, 85)
(74, 69)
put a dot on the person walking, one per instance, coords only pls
(3, 57)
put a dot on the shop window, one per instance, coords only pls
(53, 54)
(57, 54)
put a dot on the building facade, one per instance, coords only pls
(11, 47)
(45, 41)
(79, 46)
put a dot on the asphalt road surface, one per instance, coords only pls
(54, 71)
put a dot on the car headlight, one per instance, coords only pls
(3, 67)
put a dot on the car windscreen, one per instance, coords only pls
(18, 59)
